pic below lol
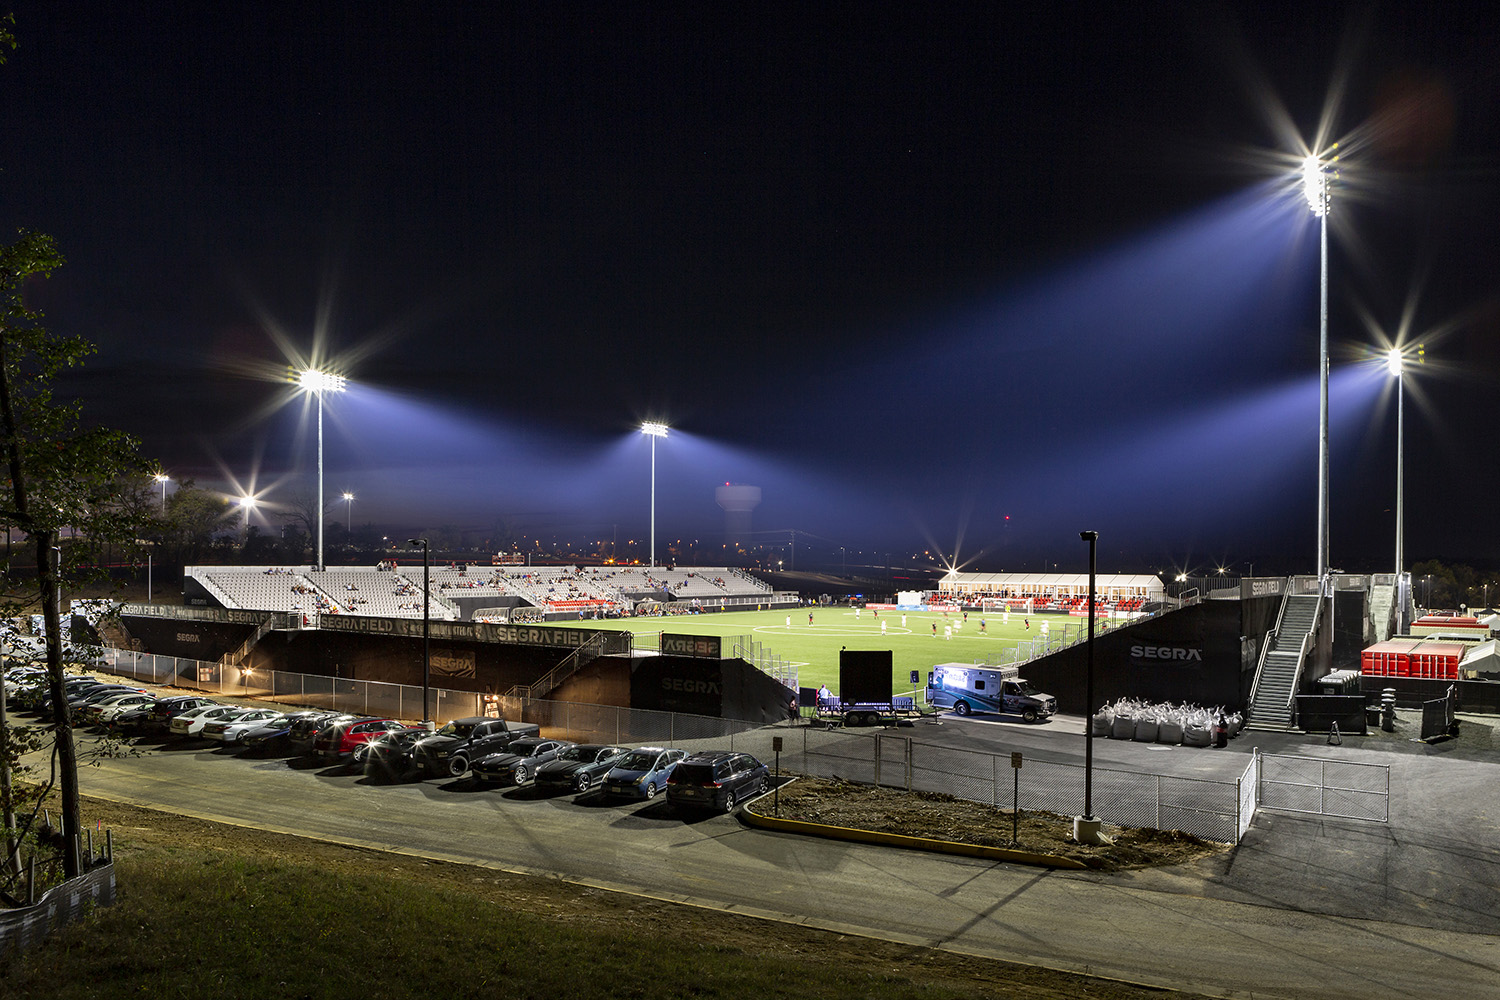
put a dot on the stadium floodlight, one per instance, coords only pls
(653, 429)
(163, 479)
(320, 382)
(1316, 175)
(1394, 364)
(348, 512)
(247, 504)
(426, 627)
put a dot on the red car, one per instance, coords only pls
(338, 742)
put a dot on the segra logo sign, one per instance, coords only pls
(1179, 654)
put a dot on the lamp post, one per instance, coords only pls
(348, 513)
(319, 382)
(163, 479)
(1315, 186)
(426, 628)
(1393, 364)
(1086, 827)
(653, 430)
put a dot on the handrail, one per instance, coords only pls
(570, 665)
(1265, 648)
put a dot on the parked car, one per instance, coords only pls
(579, 767)
(100, 712)
(80, 703)
(191, 722)
(231, 728)
(517, 763)
(717, 779)
(390, 755)
(167, 709)
(271, 735)
(337, 742)
(305, 730)
(642, 773)
(451, 748)
(132, 721)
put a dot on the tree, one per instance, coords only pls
(61, 474)
(193, 517)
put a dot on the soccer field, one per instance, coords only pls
(814, 647)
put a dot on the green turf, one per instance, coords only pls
(814, 648)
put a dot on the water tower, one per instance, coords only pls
(738, 501)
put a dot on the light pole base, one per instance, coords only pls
(1086, 830)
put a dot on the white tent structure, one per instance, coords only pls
(1109, 588)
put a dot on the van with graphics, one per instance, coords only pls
(966, 688)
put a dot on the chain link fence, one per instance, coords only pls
(1325, 787)
(1215, 810)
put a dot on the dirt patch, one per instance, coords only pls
(942, 817)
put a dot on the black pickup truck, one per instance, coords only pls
(449, 750)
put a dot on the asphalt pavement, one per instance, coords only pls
(1306, 906)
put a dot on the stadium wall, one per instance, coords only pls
(705, 686)
(1194, 655)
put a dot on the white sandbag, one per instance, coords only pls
(1123, 728)
(1146, 730)
(1169, 733)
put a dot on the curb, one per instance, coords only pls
(804, 828)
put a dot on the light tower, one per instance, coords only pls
(653, 429)
(320, 383)
(738, 502)
(1315, 186)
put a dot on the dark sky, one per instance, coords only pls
(914, 269)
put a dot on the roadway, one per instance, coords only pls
(1161, 931)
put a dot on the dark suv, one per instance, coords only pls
(717, 779)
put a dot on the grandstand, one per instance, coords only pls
(458, 590)
(1065, 593)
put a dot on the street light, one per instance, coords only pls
(653, 430)
(319, 382)
(1316, 188)
(426, 628)
(1086, 827)
(163, 479)
(348, 513)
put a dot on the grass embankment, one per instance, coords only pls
(206, 910)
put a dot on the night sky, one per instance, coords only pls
(968, 277)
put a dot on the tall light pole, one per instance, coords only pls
(163, 479)
(426, 628)
(1086, 827)
(1393, 364)
(348, 513)
(653, 430)
(319, 383)
(1315, 186)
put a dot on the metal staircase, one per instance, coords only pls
(591, 649)
(1281, 664)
